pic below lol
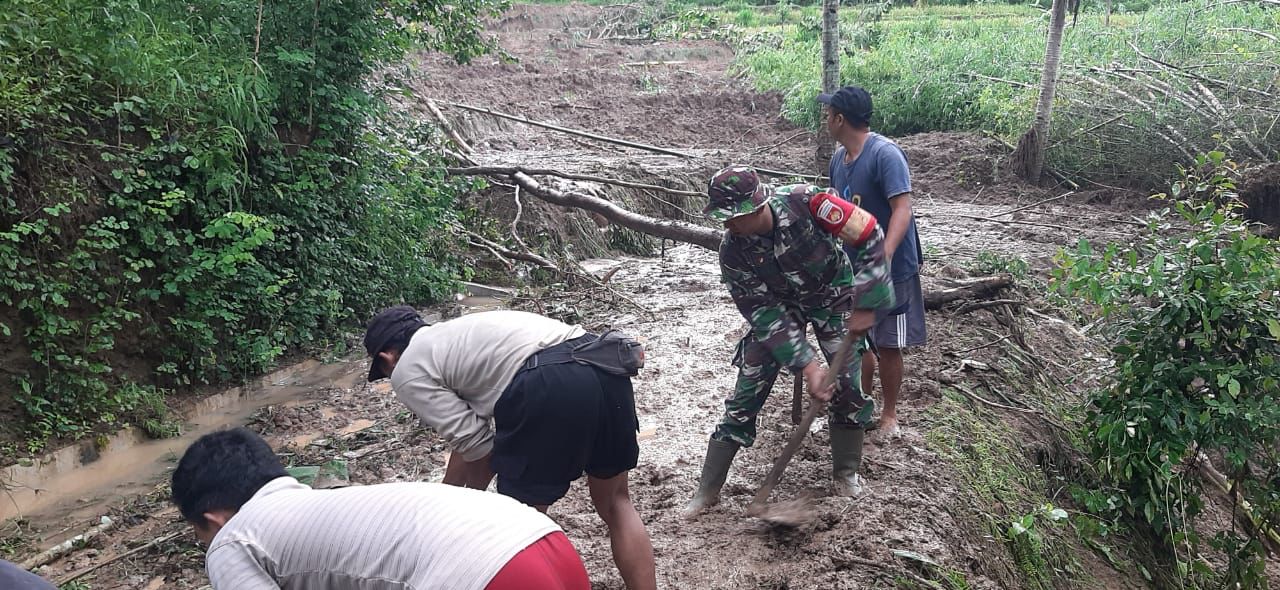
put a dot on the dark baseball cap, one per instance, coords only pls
(733, 192)
(851, 101)
(388, 325)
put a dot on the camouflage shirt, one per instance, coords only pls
(779, 279)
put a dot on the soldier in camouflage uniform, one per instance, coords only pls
(784, 267)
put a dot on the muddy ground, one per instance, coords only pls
(1022, 354)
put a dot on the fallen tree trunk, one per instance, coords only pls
(679, 231)
(981, 288)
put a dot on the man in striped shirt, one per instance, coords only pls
(264, 530)
(507, 391)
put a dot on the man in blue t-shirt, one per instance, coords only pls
(13, 577)
(871, 171)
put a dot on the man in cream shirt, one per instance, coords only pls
(552, 419)
(265, 530)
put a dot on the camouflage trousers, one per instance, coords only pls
(757, 371)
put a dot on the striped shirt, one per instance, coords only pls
(398, 536)
(452, 374)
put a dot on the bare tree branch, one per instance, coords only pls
(509, 170)
(676, 230)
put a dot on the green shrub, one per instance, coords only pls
(990, 263)
(1192, 307)
(191, 188)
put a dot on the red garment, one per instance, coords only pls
(551, 563)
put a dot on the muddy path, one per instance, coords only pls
(568, 70)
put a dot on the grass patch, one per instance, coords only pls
(976, 68)
(992, 464)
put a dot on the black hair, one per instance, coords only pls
(221, 471)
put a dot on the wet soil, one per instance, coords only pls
(917, 503)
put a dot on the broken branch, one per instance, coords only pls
(1268, 36)
(635, 64)
(509, 170)
(1031, 223)
(973, 289)
(844, 556)
(980, 346)
(976, 305)
(616, 141)
(697, 235)
(1269, 537)
(68, 546)
(448, 127)
(676, 230)
(1013, 83)
(977, 398)
(503, 253)
(775, 145)
(1035, 204)
(528, 121)
(95, 567)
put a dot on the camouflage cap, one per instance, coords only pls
(734, 191)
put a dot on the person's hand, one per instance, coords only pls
(860, 322)
(814, 377)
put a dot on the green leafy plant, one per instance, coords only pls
(188, 189)
(1027, 544)
(1191, 306)
(989, 263)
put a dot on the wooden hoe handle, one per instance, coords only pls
(780, 465)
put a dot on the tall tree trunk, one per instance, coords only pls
(1028, 158)
(830, 77)
(1106, 21)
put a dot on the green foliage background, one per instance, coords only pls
(188, 189)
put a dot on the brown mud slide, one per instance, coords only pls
(982, 421)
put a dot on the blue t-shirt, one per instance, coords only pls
(13, 577)
(878, 174)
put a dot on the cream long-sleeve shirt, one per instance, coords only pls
(397, 536)
(452, 374)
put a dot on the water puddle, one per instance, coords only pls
(81, 481)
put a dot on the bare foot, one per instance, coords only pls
(888, 428)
